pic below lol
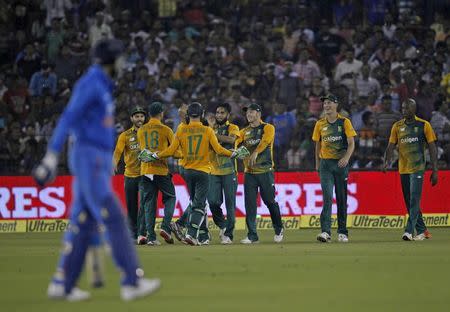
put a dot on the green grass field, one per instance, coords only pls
(376, 271)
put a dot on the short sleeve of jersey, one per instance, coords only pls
(429, 133)
(393, 138)
(233, 130)
(316, 132)
(348, 127)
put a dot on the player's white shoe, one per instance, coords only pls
(226, 240)
(248, 241)
(279, 238)
(420, 237)
(145, 287)
(55, 291)
(78, 295)
(190, 240)
(342, 238)
(324, 237)
(153, 243)
(407, 236)
(203, 242)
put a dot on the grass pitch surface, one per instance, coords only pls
(376, 271)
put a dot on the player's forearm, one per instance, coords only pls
(350, 149)
(316, 154)
(170, 151)
(262, 146)
(219, 149)
(433, 155)
(388, 154)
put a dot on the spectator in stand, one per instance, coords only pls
(366, 142)
(55, 39)
(67, 65)
(42, 80)
(365, 85)
(426, 99)
(384, 121)
(55, 9)
(290, 40)
(13, 138)
(314, 102)
(440, 122)
(375, 11)
(166, 93)
(348, 69)
(99, 30)
(343, 10)
(288, 86)
(388, 27)
(358, 109)
(306, 68)
(27, 62)
(294, 156)
(284, 123)
(328, 45)
(16, 99)
(29, 149)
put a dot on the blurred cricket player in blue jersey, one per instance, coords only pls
(89, 117)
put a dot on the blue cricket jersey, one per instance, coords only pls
(89, 116)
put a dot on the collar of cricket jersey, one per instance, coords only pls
(98, 70)
(195, 123)
(154, 121)
(415, 119)
(339, 116)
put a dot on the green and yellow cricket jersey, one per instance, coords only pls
(195, 140)
(155, 137)
(259, 139)
(221, 165)
(333, 136)
(411, 138)
(127, 143)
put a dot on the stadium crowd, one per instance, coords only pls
(281, 54)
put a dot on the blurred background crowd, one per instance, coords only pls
(282, 54)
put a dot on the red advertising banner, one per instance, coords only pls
(298, 193)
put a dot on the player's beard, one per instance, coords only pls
(221, 123)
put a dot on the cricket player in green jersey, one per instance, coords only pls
(411, 134)
(223, 179)
(127, 144)
(154, 136)
(258, 138)
(335, 143)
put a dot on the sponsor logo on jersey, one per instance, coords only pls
(332, 138)
(253, 141)
(409, 140)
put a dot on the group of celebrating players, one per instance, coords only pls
(206, 149)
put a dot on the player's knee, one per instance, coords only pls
(110, 210)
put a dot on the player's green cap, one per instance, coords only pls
(156, 108)
(253, 106)
(138, 109)
(330, 97)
